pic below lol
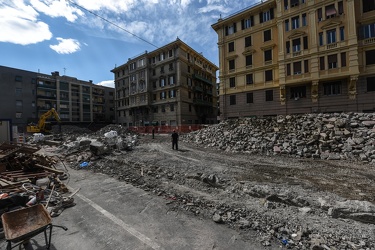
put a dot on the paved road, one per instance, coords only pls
(114, 215)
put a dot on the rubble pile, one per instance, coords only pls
(320, 136)
(86, 148)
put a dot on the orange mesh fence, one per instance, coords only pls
(167, 129)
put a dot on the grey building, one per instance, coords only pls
(26, 95)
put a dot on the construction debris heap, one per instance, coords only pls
(319, 136)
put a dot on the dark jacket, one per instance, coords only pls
(174, 136)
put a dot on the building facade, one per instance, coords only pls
(27, 95)
(173, 85)
(297, 56)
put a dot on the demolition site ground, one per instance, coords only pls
(264, 201)
(275, 201)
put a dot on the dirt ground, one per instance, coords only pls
(288, 202)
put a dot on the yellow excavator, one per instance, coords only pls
(43, 126)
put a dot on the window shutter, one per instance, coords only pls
(243, 24)
(320, 14)
(252, 20)
(226, 30)
(271, 13)
(261, 17)
(234, 27)
(305, 43)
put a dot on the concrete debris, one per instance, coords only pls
(346, 136)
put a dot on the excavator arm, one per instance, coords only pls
(41, 127)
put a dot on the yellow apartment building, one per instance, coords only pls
(297, 56)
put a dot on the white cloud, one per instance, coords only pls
(58, 8)
(66, 46)
(210, 8)
(19, 24)
(108, 83)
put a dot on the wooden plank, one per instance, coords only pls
(50, 169)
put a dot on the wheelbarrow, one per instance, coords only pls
(23, 224)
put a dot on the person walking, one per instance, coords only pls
(174, 140)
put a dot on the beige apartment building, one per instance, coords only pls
(173, 85)
(297, 56)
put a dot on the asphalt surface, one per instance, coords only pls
(110, 214)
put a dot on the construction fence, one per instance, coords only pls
(167, 129)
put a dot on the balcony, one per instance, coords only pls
(198, 88)
(202, 102)
(202, 79)
(332, 46)
(370, 40)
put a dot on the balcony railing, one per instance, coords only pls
(202, 102)
(198, 88)
(369, 41)
(332, 46)
(202, 79)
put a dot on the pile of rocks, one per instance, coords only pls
(324, 136)
(105, 141)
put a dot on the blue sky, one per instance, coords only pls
(58, 35)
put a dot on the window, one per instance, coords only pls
(153, 72)
(18, 78)
(286, 4)
(171, 80)
(333, 88)
(231, 29)
(162, 56)
(305, 42)
(298, 92)
(170, 53)
(19, 103)
(320, 14)
(162, 108)
(370, 57)
(287, 25)
(331, 36)
(296, 44)
(162, 69)
(368, 5)
(232, 82)
(18, 115)
(162, 82)
(321, 38)
(189, 107)
(332, 61)
(249, 79)
(266, 35)
(172, 93)
(266, 16)
(342, 33)
(268, 55)
(18, 92)
(163, 95)
(247, 23)
(189, 69)
(330, 11)
(341, 7)
(297, 68)
(306, 66)
(170, 66)
(155, 109)
(321, 63)
(249, 98)
(249, 60)
(370, 84)
(232, 100)
(230, 46)
(295, 22)
(304, 19)
(189, 95)
(268, 75)
(287, 47)
(368, 30)
(171, 107)
(269, 95)
(231, 64)
(343, 59)
(154, 97)
(248, 41)
(294, 3)
(132, 66)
